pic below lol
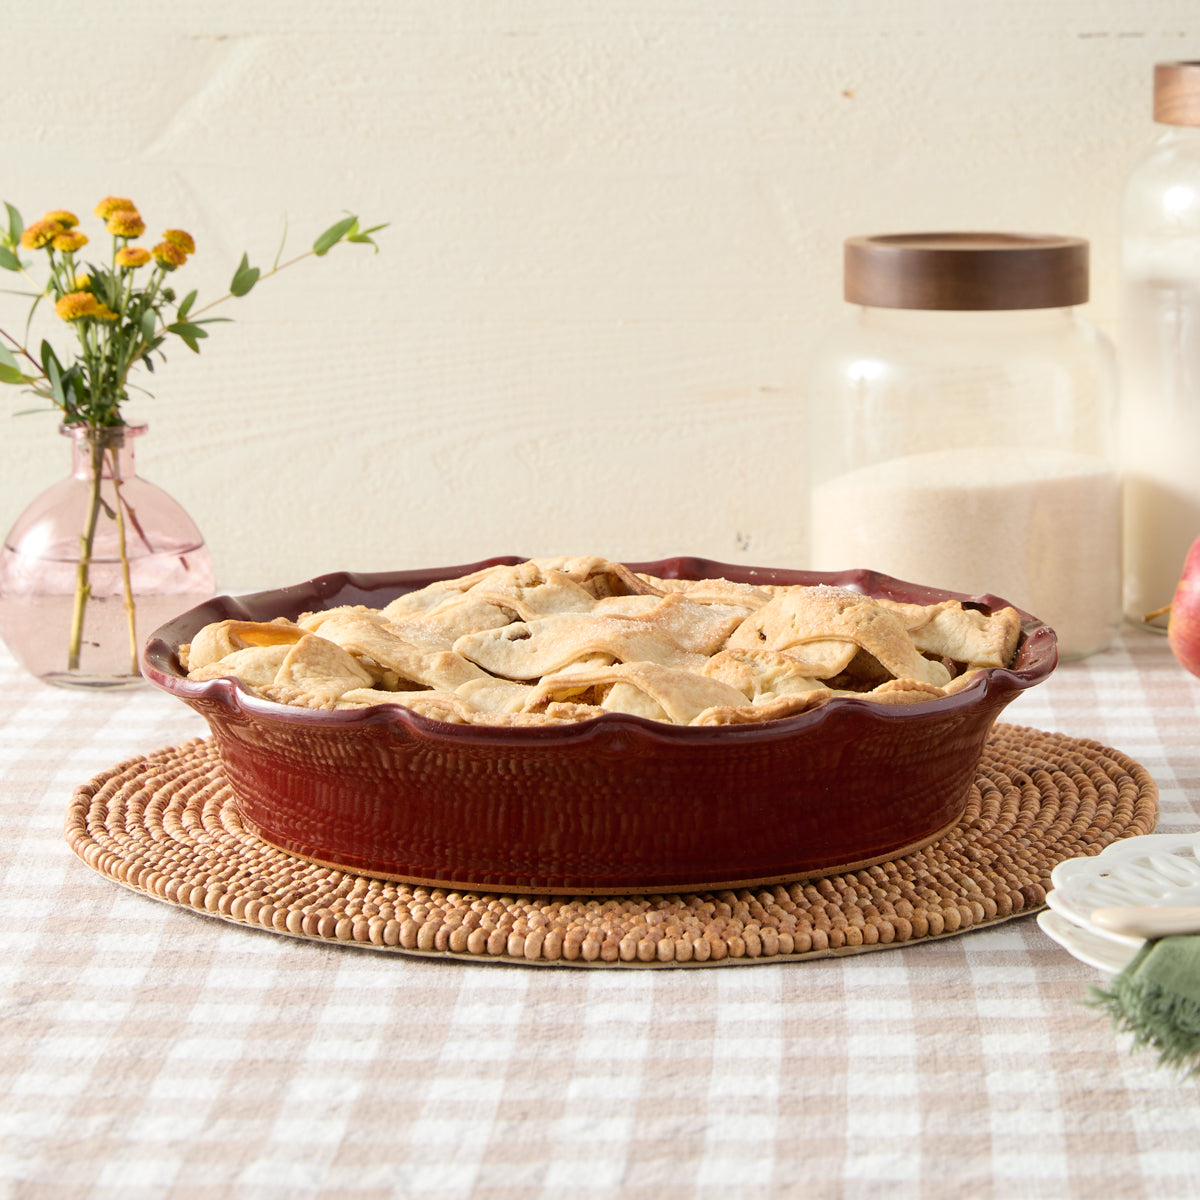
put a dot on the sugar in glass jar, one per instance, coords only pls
(961, 423)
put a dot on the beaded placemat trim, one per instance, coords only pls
(165, 825)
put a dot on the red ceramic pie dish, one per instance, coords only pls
(617, 804)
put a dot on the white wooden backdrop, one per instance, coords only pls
(615, 239)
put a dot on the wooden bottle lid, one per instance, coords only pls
(1177, 93)
(966, 271)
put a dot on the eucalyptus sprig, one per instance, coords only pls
(122, 309)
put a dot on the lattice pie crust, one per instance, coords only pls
(555, 640)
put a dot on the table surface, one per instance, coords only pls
(150, 1051)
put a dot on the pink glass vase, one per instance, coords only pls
(95, 564)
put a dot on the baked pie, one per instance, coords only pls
(554, 640)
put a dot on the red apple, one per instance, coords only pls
(1183, 629)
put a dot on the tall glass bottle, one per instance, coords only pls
(1159, 344)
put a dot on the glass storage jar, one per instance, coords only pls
(1159, 344)
(961, 426)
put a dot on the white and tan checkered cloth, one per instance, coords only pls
(147, 1051)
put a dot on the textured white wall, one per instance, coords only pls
(616, 235)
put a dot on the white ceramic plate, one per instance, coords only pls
(1158, 869)
(1103, 953)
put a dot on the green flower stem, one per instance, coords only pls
(127, 584)
(22, 350)
(87, 540)
(291, 262)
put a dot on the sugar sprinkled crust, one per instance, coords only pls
(555, 640)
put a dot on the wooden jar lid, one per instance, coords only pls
(1177, 93)
(966, 271)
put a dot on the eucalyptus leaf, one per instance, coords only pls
(54, 375)
(185, 329)
(7, 357)
(74, 388)
(48, 357)
(13, 375)
(188, 334)
(8, 260)
(16, 226)
(185, 304)
(245, 277)
(333, 235)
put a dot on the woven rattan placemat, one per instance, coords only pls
(165, 825)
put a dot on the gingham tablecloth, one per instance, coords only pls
(147, 1051)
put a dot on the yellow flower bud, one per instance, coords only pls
(112, 204)
(69, 241)
(132, 256)
(81, 283)
(169, 256)
(40, 233)
(177, 237)
(126, 223)
(74, 306)
(104, 313)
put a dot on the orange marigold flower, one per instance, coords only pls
(40, 233)
(68, 220)
(104, 313)
(132, 256)
(69, 241)
(126, 223)
(112, 204)
(169, 256)
(76, 305)
(177, 237)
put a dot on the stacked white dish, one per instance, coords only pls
(1156, 871)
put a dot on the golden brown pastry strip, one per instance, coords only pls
(315, 674)
(533, 649)
(820, 614)
(680, 694)
(216, 641)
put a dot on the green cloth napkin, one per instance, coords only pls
(1157, 999)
